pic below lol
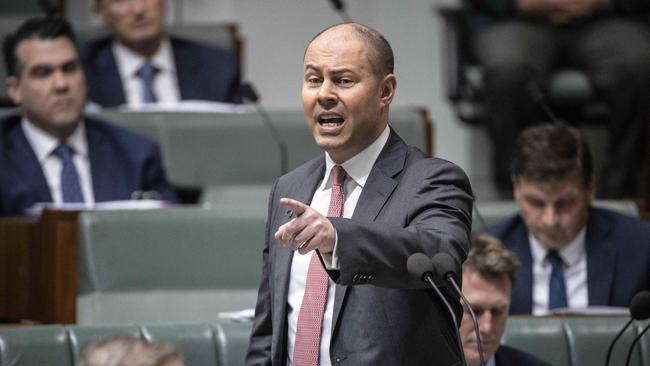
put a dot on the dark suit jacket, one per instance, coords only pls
(382, 316)
(618, 258)
(121, 162)
(508, 356)
(204, 72)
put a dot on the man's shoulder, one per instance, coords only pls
(620, 225)
(508, 356)
(103, 129)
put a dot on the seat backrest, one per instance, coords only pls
(222, 343)
(32, 346)
(224, 35)
(176, 264)
(576, 341)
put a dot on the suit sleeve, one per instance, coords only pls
(259, 349)
(433, 215)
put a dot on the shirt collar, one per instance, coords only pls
(358, 167)
(129, 62)
(570, 254)
(43, 143)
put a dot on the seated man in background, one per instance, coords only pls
(50, 152)
(488, 277)
(572, 254)
(139, 63)
(130, 351)
(522, 41)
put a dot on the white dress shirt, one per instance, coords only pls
(574, 257)
(43, 144)
(357, 169)
(165, 84)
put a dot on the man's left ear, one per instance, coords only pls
(388, 85)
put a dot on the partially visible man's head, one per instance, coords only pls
(488, 276)
(553, 182)
(45, 76)
(347, 88)
(137, 24)
(130, 351)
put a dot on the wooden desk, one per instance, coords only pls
(38, 268)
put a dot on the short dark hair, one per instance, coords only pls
(549, 152)
(48, 27)
(381, 55)
(491, 259)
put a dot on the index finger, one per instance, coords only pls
(297, 207)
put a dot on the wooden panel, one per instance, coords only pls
(38, 268)
(16, 236)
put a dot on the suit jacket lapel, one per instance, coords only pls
(186, 71)
(379, 186)
(601, 259)
(109, 82)
(22, 158)
(301, 189)
(522, 293)
(102, 164)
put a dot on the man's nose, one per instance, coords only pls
(326, 95)
(485, 322)
(137, 6)
(60, 81)
(549, 215)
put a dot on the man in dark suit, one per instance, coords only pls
(335, 289)
(488, 276)
(140, 64)
(50, 153)
(572, 255)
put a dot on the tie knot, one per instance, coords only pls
(554, 257)
(63, 151)
(338, 175)
(147, 71)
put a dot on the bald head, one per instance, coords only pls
(380, 53)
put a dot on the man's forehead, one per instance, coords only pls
(50, 50)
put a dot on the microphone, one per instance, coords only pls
(419, 266)
(640, 310)
(339, 6)
(248, 93)
(446, 268)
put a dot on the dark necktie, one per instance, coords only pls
(147, 73)
(556, 288)
(310, 319)
(70, 187)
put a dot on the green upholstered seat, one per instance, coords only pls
(176, 264)
(32, 346)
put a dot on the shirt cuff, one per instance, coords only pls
(331, 261)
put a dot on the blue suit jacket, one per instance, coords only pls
(204, 72)
(381, 316)
(121, 162)
(508, 356)
(618, 258)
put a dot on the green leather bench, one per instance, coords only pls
(562, 341)
(202, 344)
(174, 264)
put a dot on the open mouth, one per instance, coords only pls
(330, 120)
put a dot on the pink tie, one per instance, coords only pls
(310, 320)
